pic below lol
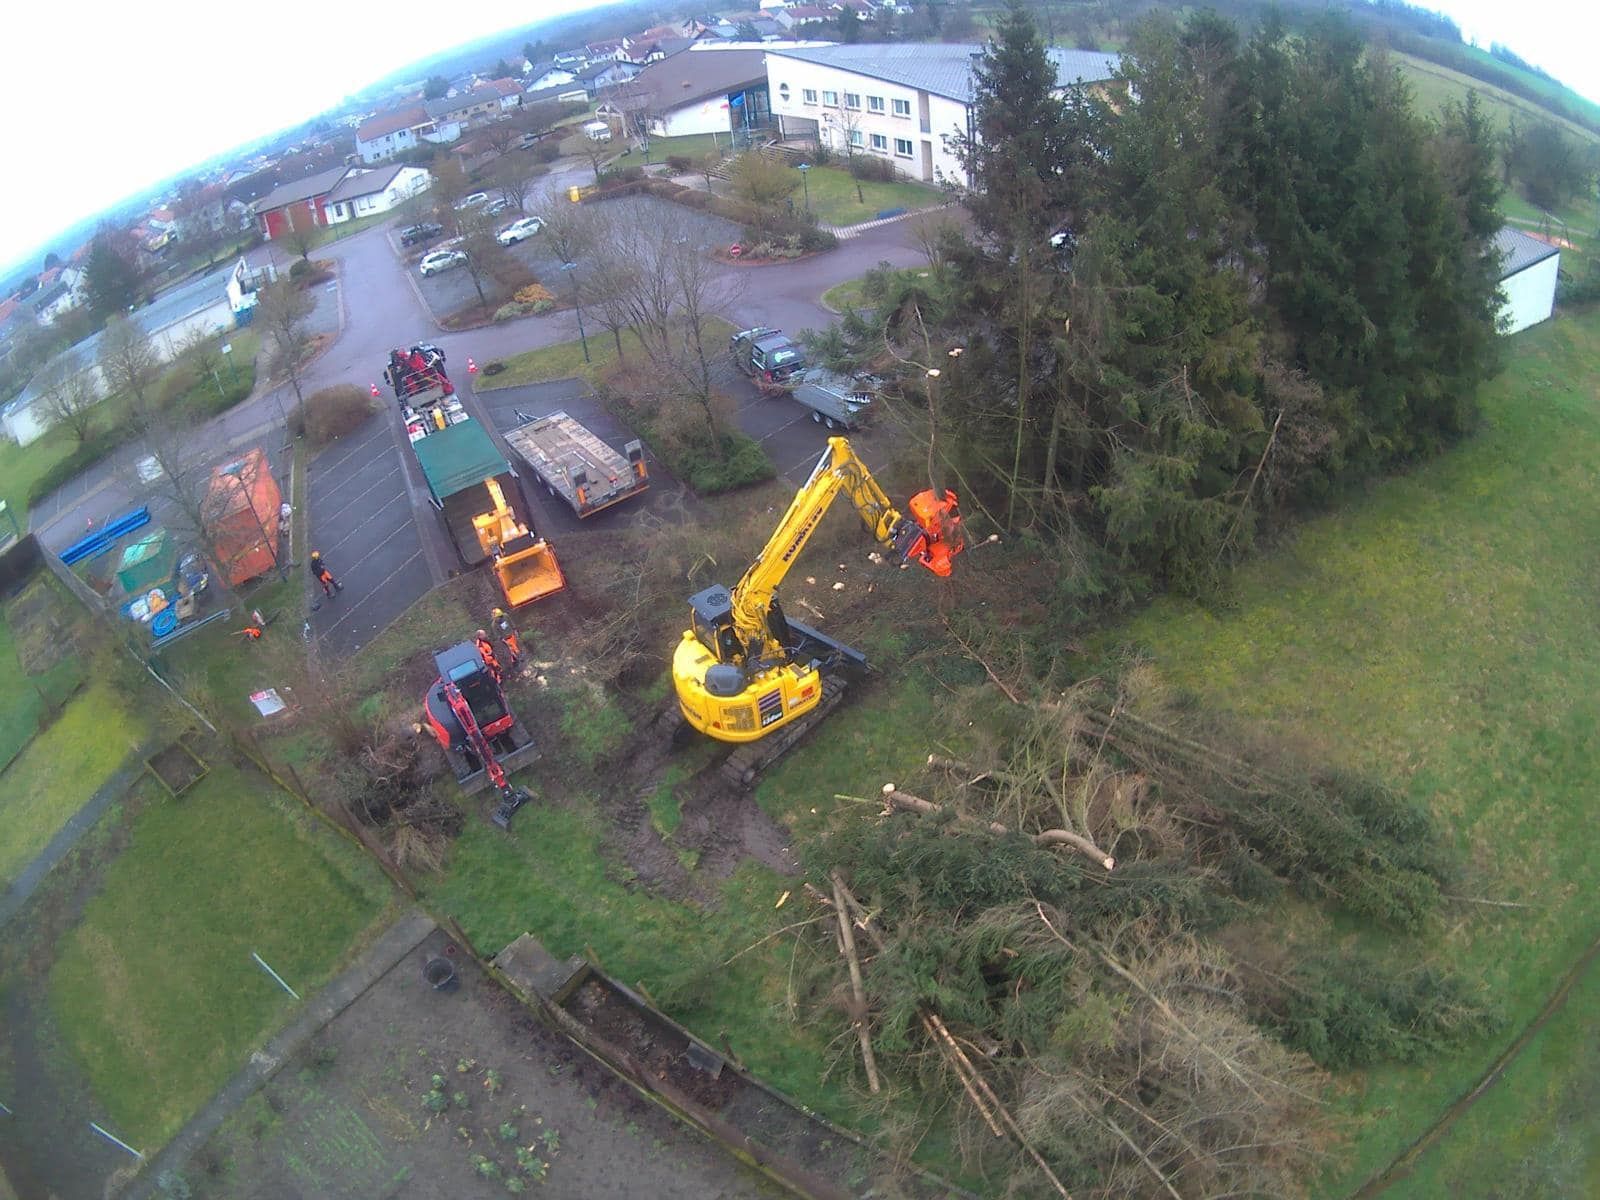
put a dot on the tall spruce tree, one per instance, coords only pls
(109, 278)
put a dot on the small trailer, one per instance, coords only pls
(835, 400)
(576, 465)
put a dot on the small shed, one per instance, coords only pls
(1528, 268)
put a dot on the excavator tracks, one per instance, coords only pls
(745, 765)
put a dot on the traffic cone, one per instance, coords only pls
(472, 367)
(374, 388)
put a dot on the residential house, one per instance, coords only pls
(569, 60)
(800, 14)
(707, 88)
(482, 104)
(898, 101)
(292, 204)
(595, 51)
(1528, 269)
(401, 129)
(201, 306)
(605, 73)
(545, 75)
(367, 193)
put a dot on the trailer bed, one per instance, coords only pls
(575, 464)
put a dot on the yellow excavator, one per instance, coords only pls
(747, 673)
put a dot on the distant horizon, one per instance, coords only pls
(197, 72)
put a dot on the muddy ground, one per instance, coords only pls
(351, 1116)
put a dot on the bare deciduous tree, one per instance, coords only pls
(487, 260)
(282, 314)
(127, 360)
(67, 394)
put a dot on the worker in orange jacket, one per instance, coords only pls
(486, 652)
(508, 634)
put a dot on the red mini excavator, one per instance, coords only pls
(466, 709)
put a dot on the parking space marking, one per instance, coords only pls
(393, 470)
(380, 545)
(356, 449)
(795, 421)
(356, 605)
(382, 512)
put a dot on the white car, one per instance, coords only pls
(441, 260)
(518, 230)
(476, 200)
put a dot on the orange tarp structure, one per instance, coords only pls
(241, 516)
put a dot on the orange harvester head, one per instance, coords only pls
(939, 518)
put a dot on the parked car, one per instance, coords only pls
(476, 200)
(767, 355)
(519, 231)
(496, 207)
(411, 235)
(441, 260)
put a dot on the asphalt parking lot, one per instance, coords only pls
(362, 518)
(452, 290)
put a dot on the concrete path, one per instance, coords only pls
(392, 945)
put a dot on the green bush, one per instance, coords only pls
(743, 462)
(333, 412)
(300, 269)
(681, 163)
(512, 310)
(616, 175)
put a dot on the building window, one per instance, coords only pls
(902, 147)
(783, 91)
(809, 95)
(879, 142)
(902, 108)
(852, 99)
(855, 137)
(875, 104)
(831, 99)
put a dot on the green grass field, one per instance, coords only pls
(1434, 85)
(833, 196)
(554, 880)
(155, 991)
(60, 770)
(26, 699)
(1440, 631)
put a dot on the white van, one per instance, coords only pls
(597, 131)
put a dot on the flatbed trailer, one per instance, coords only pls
(575, 465)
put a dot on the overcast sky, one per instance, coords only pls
(109, 97)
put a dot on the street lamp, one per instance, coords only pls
(804, 169)
(578, 304)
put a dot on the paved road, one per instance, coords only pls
(360, 490)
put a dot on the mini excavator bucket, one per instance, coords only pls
(939, 538)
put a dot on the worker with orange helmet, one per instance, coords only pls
(320, 572)
(486, 652)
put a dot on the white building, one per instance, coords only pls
(899, 101)
(1527, 279)
(364, 193)
(201, 306)
(390, 133)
